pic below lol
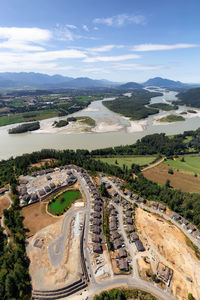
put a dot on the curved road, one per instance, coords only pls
(131, 283)
(56, 247)
(150, 209)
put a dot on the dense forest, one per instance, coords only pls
(133, 107)
(190, 97)
(14, 263)
(25, 128)
(164, 106)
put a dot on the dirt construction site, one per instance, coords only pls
(44, 274)
(167, 244)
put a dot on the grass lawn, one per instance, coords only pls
(128, 160)
(64, 201)
(191, 164)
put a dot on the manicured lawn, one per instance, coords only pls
(64, 201)
(128, 160)
(191, 164)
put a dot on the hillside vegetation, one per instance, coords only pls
(190, 97)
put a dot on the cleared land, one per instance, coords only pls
(128, 160)
(167, 242)
(44, 276)
(36, 218)
(190, 164)
(184, 182)
(4, 203)
(64, 201)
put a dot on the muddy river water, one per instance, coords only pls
(111, 130)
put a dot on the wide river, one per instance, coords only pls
(111, 130)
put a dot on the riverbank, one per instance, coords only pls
(111, 130)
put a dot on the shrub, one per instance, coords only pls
(170, 171)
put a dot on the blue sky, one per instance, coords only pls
(127, 40)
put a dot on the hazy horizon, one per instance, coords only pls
(121, 42)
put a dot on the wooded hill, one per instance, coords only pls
(190, 97)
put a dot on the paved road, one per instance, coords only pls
(87, 226)
(131, 283)
(195, 241)
(2, 218)
(57, 246)
(129, 247)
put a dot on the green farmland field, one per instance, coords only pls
(64, 201)
(191, 164)
(128, 160)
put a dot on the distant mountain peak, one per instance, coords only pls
(131, 85)
(163, 83)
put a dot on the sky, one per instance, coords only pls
(117, 40)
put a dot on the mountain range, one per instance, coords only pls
(25, 80)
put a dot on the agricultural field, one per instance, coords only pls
(188, 164)
(26, 117)
(185, 182)
(128, 160)
(64, 201)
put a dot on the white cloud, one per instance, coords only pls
(63, 34)
(111, 58)
(32, 61)
(22, 38)
(96, 28)
(158, 47)
(103, 48)
(85, 27)
(120, 20)
(138, 67)
(70, 26)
